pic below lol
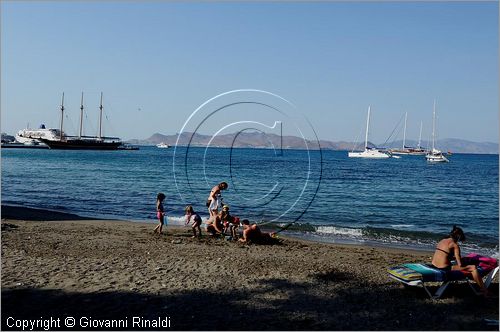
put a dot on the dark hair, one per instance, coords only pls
(224, 184)
(245, 222)
(160, 197)
(457, 234)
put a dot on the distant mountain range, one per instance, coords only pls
(261, 140)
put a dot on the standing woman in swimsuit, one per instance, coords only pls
(160, 212)
(213, 199)
(447, 248)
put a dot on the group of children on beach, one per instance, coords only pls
(227, 226)
(220, 223)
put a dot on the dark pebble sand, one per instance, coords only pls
(119, 270)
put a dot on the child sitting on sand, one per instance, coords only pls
(194, 217)
(230, 223)
(214, 225)
(160, 212)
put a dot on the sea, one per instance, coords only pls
(320, 195)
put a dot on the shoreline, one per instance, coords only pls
(11, 213)
(17, 212)
(119, 270)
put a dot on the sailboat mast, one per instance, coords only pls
(404, 131)
(367, 125)
(420, 135)
(81, 117)
(62, 118)
(433, 123)
(100, 119)
(281, 138)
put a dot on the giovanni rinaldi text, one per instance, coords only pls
(86, 322)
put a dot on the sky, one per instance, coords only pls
(156, 62)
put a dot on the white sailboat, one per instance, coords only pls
(434, 155)
(372, 153)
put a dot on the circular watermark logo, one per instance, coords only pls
(258, 143)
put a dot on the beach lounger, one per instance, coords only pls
(417, 274)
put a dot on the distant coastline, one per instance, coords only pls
(268, 141)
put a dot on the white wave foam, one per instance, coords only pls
(181, 221)
(339, 230)
(403, 226)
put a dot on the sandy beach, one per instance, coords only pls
(54, 265)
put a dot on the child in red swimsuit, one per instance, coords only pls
(160, 212)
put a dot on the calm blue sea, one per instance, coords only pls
(324, 196)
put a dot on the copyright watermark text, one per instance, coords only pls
(69, 322)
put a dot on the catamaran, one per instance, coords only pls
(81, 142)
(373, 153)
(434, 155)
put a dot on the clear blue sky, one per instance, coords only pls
(157, 62)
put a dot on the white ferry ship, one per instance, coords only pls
(30, 136)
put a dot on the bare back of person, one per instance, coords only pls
(214, 192)
(445, 250)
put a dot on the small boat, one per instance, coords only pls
(372, 153)
(434, 155)
(65, 142)
(24, 146)
(162, 145)
(126, 146)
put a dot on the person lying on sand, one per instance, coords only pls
(447, 249)
(252, 233)
(195, 218)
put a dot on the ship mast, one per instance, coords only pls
(404, 131)
(81, 117)
(433, 124)
(62, 118)
(420, 135)
(100, 119)
(367, 125)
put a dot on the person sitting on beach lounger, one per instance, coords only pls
(160, 212)
(447, 249)
(215, 199)
(252, 233)
(195, 218)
